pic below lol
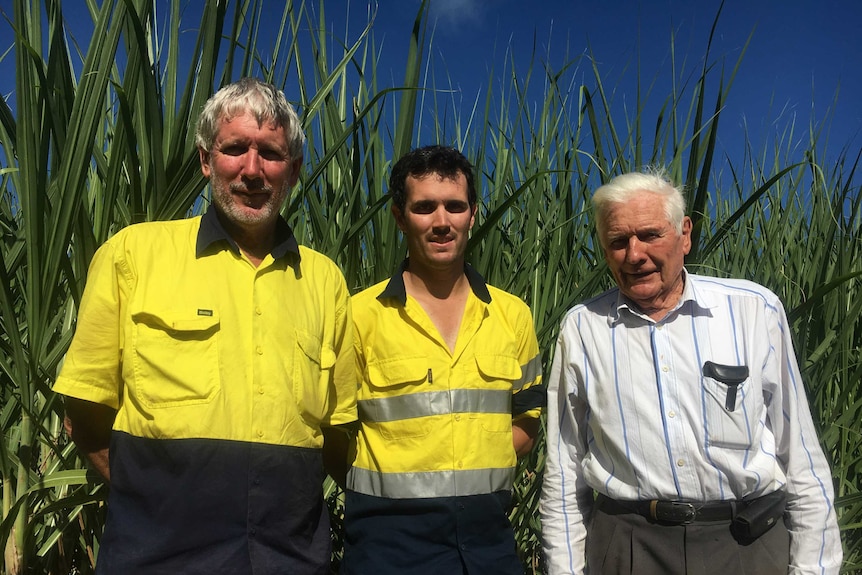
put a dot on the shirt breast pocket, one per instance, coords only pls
(732, 412)
(498, 374)
(393, 406)
(498, 370)
(175, 357)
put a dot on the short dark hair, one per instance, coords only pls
(445, 161)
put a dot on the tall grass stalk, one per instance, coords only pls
(93, 145)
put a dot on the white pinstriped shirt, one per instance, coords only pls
(631, 415)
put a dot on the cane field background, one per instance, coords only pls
(99, 135)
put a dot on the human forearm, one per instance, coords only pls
(89, 425)
(815, 542)
(336, 450)
(565, 506)
(524, 433)
(566, 500)
(100, 462)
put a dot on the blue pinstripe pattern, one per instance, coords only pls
(673, 438)
(663, 411)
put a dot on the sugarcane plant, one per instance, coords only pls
(97, 133)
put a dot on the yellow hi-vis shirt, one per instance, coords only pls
(222, 374)
(182, 335)
(436, 423)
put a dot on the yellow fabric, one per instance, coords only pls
(396, 349)
(210, 346)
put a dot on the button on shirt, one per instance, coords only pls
(631, 415)
(222, 374)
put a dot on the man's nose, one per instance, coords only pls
(634, 250)
(251, 166)
(440, 218)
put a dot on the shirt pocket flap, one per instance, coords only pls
(396, 372)
(499, 367)
(171, 320)
(319, 353)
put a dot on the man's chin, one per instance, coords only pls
(641, 294)
(243, 214)
(443, 260)
(642, 283)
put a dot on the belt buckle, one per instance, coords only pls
(678, 512)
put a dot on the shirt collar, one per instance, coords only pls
(211, 232)
(395, 288)
(690, 299)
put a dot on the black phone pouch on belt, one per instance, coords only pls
(759, 516)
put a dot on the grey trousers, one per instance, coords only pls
(628, 543)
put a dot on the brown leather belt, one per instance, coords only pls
(674, 512)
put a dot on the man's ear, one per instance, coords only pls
(686, 234)
(398, 215)
(204, 157)
(295, 166)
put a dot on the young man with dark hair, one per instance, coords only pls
(450, 392)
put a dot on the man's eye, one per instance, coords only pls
(422, 208)
(456, 207)
(617, 243)
(271, 155)
(234, 150)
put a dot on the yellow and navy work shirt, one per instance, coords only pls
(222, 374)
(436, 425)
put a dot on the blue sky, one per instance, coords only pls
(803, 54)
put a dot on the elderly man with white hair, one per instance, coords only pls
(680, 439)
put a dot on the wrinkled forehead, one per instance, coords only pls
(263, 119)
(645, 208)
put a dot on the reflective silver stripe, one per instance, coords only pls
(429, 483)
(435, 403)
(529, 372)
